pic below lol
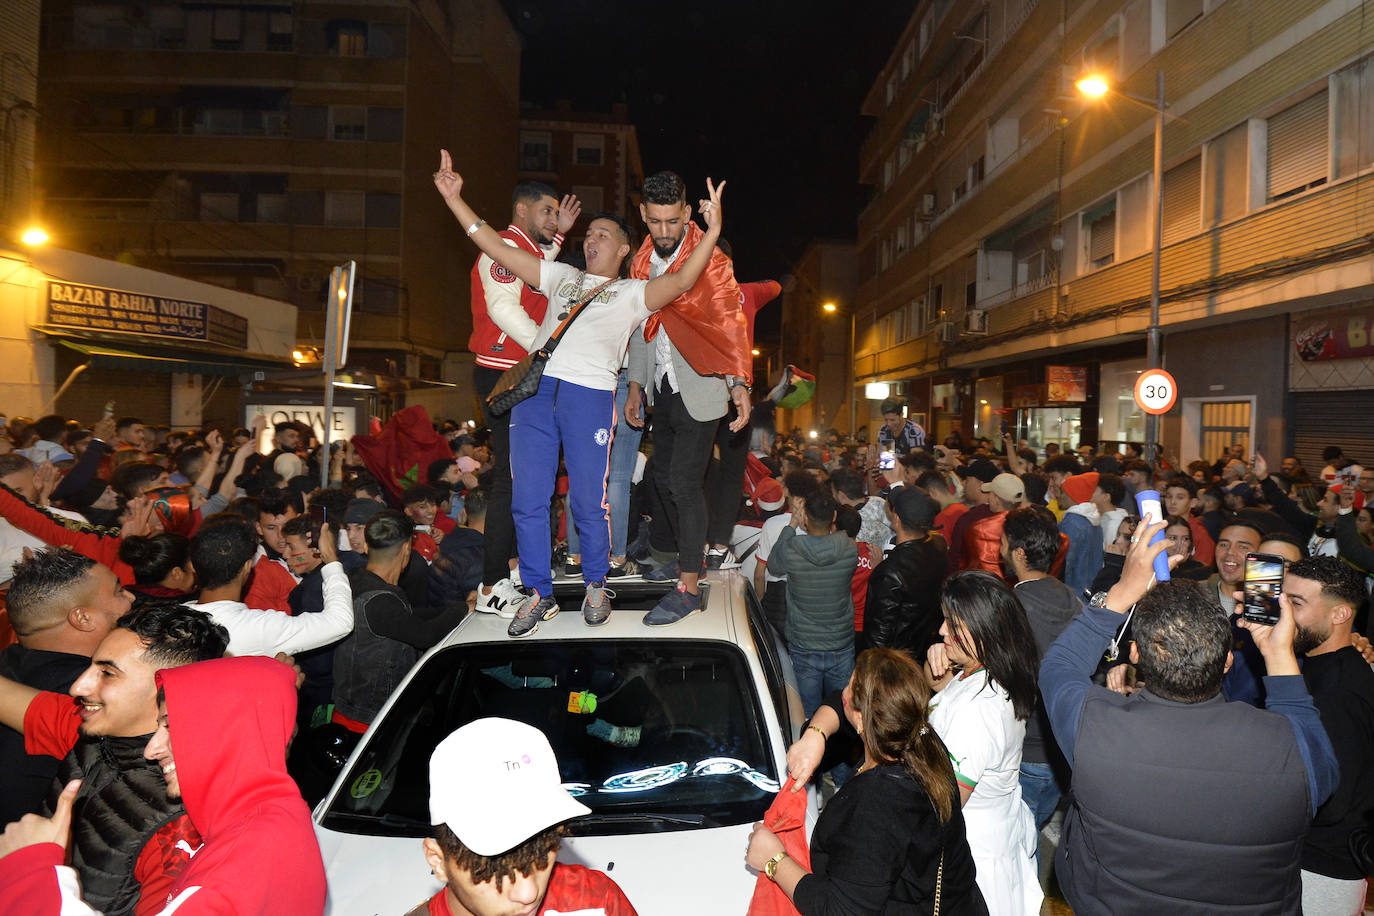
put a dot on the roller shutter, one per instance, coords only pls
(1323, 418)
(1298, 147)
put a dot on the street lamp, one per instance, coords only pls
(34, 236)
(831, 308)
(1094, 86)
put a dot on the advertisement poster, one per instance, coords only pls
(1334, 335)
(1067, 383)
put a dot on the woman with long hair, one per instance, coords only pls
(980, 713)
(892, 839)
(161, 564)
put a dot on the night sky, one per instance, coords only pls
(764, 93)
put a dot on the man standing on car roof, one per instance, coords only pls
(499, 808)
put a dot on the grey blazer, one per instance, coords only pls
(705, 396)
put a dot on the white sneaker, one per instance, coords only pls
(505, 597)
(515, 577)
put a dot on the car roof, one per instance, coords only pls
(724, 616)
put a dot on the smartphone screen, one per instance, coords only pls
(1263, 585)
(887, 461)
(317, 520)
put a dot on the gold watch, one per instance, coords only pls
(770, 868)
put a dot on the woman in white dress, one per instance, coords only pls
(985, 675)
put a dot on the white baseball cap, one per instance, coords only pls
(495, 783)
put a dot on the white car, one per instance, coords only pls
(684, 752)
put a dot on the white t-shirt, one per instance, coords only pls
(975, 720)
(591, 351)
(772, 530)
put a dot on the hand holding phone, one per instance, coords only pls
(1263, 585)
(318, 518)
(887, 461)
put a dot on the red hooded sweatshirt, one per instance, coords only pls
(229, 721)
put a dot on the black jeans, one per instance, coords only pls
(498, 541)
(725, 482)
(682, 449)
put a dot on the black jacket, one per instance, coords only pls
(903, 607)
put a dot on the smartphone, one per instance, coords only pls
(318, 517)
(1263, 585)
(887, 461)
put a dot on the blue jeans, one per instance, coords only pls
(1040, 791)
(819, 674)
(624, 449)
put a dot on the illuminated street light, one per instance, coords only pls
(829, 306)
(34, 236)
(1093, 86)
(755, 351)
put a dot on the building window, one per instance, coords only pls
(347, 122)
(535, 151)
(344, 208)
(889, 171)
(219, 208)
(280, 27)
(588, 148)
(1099, 231)
(1179, 14)
(1226, 175)
(348, 38)
(1353, 131)
(593, 199)
(1225, 423)
(1298, 147)
(271, 208)
(228, 28)
(1182, 200)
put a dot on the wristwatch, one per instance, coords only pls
(770, 868)
(1098, 600)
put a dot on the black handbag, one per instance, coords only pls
(522, 380)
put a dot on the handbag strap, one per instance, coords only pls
(558, 332)
(939, 880)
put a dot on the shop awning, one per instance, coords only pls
(169, 359)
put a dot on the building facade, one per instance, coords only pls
(816, 339)
(255, 146)
(1006, 251)
(593, 155)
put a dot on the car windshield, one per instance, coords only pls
(651, 735)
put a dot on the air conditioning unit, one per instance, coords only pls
(927, 206)
(946, 332)
(976, 322)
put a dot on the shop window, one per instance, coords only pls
(588, 149)
(1224, 423)
(1298, 147)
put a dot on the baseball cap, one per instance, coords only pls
(981, 468)
(1079, 487)
(1008, 488)
(912, 507)
(495, 783)
(768, 495)
(359, 511)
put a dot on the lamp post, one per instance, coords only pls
(1095, 87)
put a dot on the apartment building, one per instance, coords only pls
(594, 155)
(815, 336)
(256, 145)
(1006, 250)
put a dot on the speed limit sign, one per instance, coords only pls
(1155, 391)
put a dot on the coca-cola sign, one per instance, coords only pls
(1346, 334)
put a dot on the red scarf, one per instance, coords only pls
(706, 323)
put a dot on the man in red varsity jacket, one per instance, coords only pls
(505, 319)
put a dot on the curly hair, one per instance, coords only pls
(525, 859)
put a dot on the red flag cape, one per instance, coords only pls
(400, 454)
(786, 817)
(706, 323)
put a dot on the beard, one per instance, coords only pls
(1307, 639)
(665, 248)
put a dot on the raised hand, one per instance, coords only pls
(214, 441)
(711, 209)
(1259, 466)
(448, 182)
(32, 830)
(568, 211)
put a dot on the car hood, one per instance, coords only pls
(685, 872)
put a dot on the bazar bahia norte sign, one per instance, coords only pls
(113, 311)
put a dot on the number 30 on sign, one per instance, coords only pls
(1156, 392)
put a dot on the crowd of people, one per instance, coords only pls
(975, 628)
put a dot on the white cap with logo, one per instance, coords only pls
(495, 783)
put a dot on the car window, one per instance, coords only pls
(651, 735)
(762, 632)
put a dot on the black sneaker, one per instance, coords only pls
(674, 606)
(625, 570)
(573, 568)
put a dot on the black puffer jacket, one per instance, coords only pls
(903, 608)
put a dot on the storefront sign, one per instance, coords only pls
(1345, 334)
(96, 308)
(343, 427)
(1027, 396)
(1067, 383)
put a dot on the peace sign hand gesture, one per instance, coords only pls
(711, 209)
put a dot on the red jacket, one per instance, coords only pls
(86, 540)
(230, 720)
(983, 544)
(489, 343)
(269, 586)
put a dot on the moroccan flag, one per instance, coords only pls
(798, 388)
(399, 455)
